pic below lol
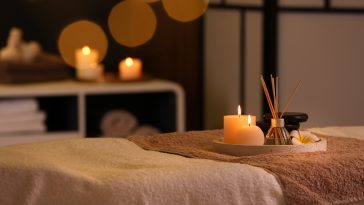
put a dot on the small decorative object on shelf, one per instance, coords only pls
(277, 134)
(87, 66)
(130, 69)
(26, 62)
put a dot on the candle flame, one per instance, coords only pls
(86, 50)
(239, 110)
(129, 61)
(249, 120)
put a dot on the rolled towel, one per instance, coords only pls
(146, 130)
(303, 137)
(18, 106)
(118, 123)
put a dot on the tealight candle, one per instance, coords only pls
(233, 122)
(249, 134)
(130, 69)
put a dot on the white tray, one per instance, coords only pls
(246, 150)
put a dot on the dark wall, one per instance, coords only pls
(174, 53)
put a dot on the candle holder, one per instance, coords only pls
(277, 134)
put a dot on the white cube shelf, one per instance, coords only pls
(74, 108)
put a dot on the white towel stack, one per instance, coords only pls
(21, 116)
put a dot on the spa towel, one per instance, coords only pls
(118, 123)
(26, 117)
(17, 107)
(146, 130)
(332, 177)
(46, 68)
(115, 171)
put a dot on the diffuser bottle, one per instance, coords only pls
(277, 134)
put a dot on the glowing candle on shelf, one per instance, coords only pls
(86, 57)
(130, 69)
(249, 134)
(232, 123)
(87, 67)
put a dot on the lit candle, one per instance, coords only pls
(233, 122)
(130, 69)
(249, 134)
(87, 67)
(86, 57)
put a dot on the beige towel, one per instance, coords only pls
(146, 130)
(332, 177)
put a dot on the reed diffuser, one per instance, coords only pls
(277, 134)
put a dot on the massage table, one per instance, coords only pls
(118, 171)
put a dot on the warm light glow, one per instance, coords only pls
(239, 110)
(129, 62)
(185, 10)
(86, 50)
(132, 23)
(78, 35)
(249, 120)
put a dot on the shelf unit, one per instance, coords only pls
(74, 109)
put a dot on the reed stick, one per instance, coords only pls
(290, 98)
(274, 95)
(267, 96)
(277, 97)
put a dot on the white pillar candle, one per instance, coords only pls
(90, 74)
(130, 69)
(86, 57)
(249, 134)
(87, 67)
(233, 122)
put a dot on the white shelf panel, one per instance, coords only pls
(74, 88)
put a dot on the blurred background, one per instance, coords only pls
(218, 57)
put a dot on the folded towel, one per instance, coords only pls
(18, 106)
(45, 68)
(118, 123)
(16, 128)
(332, 177)
(146, 130)
(27, 117)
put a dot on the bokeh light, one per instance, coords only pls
(149, 1)
(185, 10)
(132, 23)
(79, 34)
